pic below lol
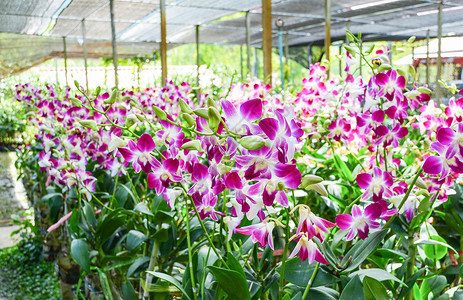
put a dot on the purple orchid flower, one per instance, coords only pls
(377, 185)
(390, 137)
(140, 153)
(307, 249)
(391, 85)
(241, 121)
(163, 174)
(359, 222)
(261, 232)
(443, 164)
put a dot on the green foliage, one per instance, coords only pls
(25, 275)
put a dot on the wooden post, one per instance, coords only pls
(439, 54)
(65, 60)
(248, 41)
(427, 57)
(267, 39)
(113, 38)
(85, 53)
(163, 43)
(327, 34)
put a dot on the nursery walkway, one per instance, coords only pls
(13, 199)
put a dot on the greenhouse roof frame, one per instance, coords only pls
(137, 23)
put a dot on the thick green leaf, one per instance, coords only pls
(362, 249)
(353, 290)
(435, 251)
(232, 282)
(109, 226)
(128, 291)
(234, 264)
(47, 197)
(411, 282)
(143, 208)
(378, 274)
(374, 290)
(137, 264)
(79, 252)
(171, 280)
(89, 215)
(347, 174)
(134, 239)
(299, 272)
(322, 293)
(433, 285)
(105, 285)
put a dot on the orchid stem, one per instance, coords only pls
(207, 235)
(190, 256)
(312, 278)
(283, 260)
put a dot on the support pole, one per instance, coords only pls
(113, 38)
(427, 57)
(197, 61)
(360, 57)
(65, 60)
(248, 41)
(327, 34)
(439, 54)
(340, 59)
(280, 52)
(56, 72)
(163, 43)
(85, 53)
(241, 62)
(267, 39)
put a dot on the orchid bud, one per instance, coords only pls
(141, 118)
(318, 187)
(192, 145)
(384, 67)
(89, 124)
(401, 72)
(160, 113)
(421, 183)
(214, 118)
(424, 90)
(423, 193)
(131, 120)
(412, 71)
(252, 142)
(327, 123)
(316, 135)
(210, 102)
(370, 49)
(184, 107)
(310, 179)
(189, 119)
(111, 100)
(75, 101)
(97, 91)
(202, 112)
(350, 49)
(411, 39)
(76, 83)
(116, 142)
